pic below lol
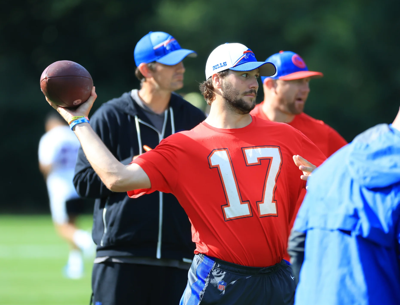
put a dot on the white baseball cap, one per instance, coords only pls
(236, 57)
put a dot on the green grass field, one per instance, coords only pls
(32, 257)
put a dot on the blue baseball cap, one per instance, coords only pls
(160, 47)
(290, 66)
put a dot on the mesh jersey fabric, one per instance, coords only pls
(324, 137)
(221, 178)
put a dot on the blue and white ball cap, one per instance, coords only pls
(160, 47)
(236, 57)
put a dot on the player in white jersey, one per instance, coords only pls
(58, 149)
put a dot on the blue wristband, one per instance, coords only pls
(78, 121)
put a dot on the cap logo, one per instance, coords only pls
(166, 47)
(248, 56)
(298, 61)
(164, 43)
(221, 65)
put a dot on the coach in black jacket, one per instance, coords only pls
(144, 246)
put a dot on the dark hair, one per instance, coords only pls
(139, 75)
(207, 88)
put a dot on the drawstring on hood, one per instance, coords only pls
(161, 136)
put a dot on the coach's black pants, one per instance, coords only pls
(134, 284)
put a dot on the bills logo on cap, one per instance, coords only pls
(298, 61)
(221, 286)
(236, 57)
(247, 56)
(160, 47)
(224, 64)
(165, 47)
(168, 44)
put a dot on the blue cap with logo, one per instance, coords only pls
(160, 47)
(290, 66)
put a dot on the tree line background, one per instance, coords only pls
(355, 43)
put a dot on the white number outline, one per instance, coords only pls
(268, 202)
(229, 208)
(234, 199)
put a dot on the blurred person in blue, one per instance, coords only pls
(58, 150)
(350, 221)
(144, 246)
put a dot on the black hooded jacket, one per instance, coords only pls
(153, 225)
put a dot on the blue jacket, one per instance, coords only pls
(351, 217)
(154, 225)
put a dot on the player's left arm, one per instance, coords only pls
(305, 166)
(310, 157)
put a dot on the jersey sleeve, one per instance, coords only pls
(46, 150)
(161, 166)
(311, 152)
(336, 141)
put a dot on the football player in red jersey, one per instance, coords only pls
(234, 176)
(285, 95)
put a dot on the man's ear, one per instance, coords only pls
(269, 83)
(216, 79)
(144, 69)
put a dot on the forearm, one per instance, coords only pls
(86, 181)
(116, 176)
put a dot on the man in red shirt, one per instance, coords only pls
(285, 95)
(238, 187)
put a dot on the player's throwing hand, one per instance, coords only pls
(81, 111)
(305, 166)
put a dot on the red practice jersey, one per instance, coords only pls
(325, 137)
(239, 187)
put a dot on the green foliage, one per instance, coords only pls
(353, 42)
(31, 260)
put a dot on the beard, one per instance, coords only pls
(239, 105)
(292, 108)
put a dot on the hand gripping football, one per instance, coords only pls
(66, 83)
